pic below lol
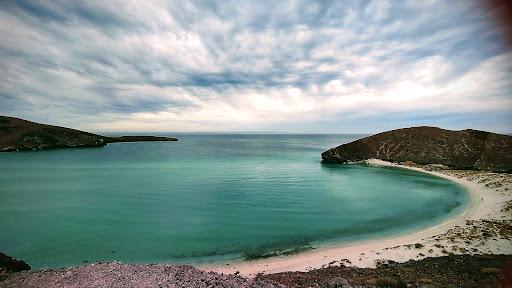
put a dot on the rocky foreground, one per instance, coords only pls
(461, 271)
(114, 274)
(446, 272)
(466, 149)
(20, 135)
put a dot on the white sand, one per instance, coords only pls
(489, 193)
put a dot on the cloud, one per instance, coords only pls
(298, 66)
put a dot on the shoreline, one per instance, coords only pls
(470, 243)
(398, 247)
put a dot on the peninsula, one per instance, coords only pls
(465, 149)
(19, 135)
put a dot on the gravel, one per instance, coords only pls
(114, 274)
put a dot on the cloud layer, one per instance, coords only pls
(301, 66)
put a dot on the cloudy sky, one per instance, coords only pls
(300, 66)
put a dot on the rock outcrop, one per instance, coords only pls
(465, 149)
(18, 135)
(9, 264)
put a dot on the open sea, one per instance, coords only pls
(205, 198)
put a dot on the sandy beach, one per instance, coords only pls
(479, 229)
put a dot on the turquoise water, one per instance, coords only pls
(204, 198)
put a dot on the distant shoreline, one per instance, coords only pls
(394, 247)
(22, 135)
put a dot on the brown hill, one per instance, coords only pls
(17, 135)
(465, 149)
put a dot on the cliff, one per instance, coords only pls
(18, 135)
(465, 149)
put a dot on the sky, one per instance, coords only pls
(241, 66)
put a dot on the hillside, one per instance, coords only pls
(465, 149)
(18, 135)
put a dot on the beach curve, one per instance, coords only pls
(397, 247)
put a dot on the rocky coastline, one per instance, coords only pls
(466, 149)
(22, 135)
(10, 264)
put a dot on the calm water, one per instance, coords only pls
(204, 198)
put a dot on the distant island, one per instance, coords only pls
(21, 135)
(465, 149)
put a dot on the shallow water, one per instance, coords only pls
(207, 197)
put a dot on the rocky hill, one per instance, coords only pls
(465, 149)
(18, 135)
